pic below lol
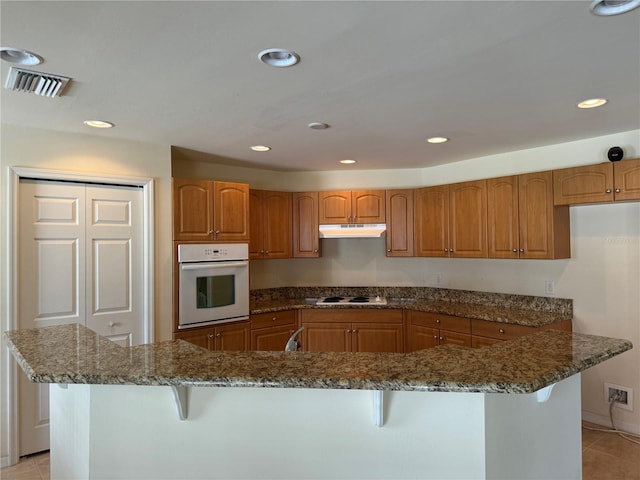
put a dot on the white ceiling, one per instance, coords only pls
(493, 76)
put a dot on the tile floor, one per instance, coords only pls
(605, 456)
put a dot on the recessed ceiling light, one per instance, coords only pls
(347, 162)
(437, 139)
(612, 7)
(318, 126)
(278, 57)
(592, 103)
(260, 148)
(20, 57)
(98, 124)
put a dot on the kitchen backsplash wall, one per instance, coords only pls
(561, 306)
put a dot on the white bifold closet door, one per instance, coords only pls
(80, 261)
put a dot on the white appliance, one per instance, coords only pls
(337, 300)
(213, 284)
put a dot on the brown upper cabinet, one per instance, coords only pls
(399, 223)
(306, 238)
(210, 211)
(451, 220)
(357, 206)
(599, 183)
(270, 215)
(522, 220)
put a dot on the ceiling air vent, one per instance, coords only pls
(39, 83)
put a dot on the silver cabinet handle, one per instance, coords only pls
(501, 330)
(608, 190)
(315, 251)
(437, 320)
(515, 250)
(441, 339)
(522, 250)
(388, 249)
(617, 190)
(217, 335)
(446, 249)
(210, 335)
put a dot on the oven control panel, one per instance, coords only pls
(212, 252)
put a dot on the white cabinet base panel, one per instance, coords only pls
(125, 432)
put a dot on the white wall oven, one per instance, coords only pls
(213, 284)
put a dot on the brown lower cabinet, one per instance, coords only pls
(270, 331)
(357, 330)
(229, 337)
(426, 330)
(485, 333)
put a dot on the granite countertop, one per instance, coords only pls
(493, 313)
(75, 354)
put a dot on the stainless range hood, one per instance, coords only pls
(351, 230)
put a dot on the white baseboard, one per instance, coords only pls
(4, 461)
(605, 422)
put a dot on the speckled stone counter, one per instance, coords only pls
(75, 354)
(496, 307)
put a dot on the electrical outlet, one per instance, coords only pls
(622, 397)
(549, 287)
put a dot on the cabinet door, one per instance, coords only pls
(368, 206)
(326, 337)
(256, 219)
(271, 338)
(431, 211)
(306, 239)
(468, 219)
(480, 342)
(587, 184)
(419, 338)
(502, 217)
(231, 211)
(454, 338)
(277, 224)
(192, 209)
(335, 207)
(377, 337)
(202, 337)
(399, 223)
(233, 337)
(626, 179)
(544, 229)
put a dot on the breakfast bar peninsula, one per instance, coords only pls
(169, 410)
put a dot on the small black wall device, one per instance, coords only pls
(615, 154)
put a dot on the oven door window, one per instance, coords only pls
(215, 291)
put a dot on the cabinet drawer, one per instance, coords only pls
(371, 315)
(263, 320)
(443, 322)
(480, 342)
(498, 330)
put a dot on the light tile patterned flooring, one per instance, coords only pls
(605, 456)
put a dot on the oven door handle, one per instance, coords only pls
(203, 266)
